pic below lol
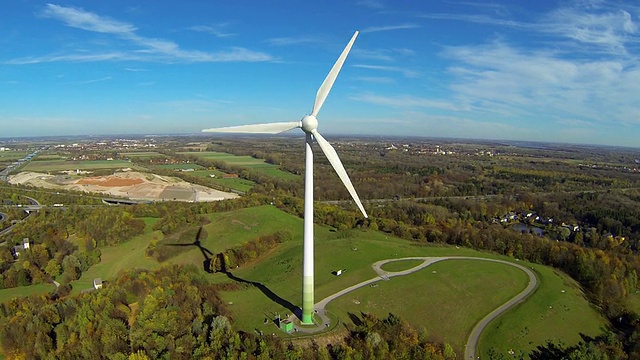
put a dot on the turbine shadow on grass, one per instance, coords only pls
(205, 252)
(268, 293)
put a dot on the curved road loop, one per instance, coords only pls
(472, 342)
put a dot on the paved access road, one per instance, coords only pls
(472, 342)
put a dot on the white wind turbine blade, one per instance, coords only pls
(331, 154)
(272, 128)
(324, 89)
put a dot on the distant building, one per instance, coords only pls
(97, 283)
(229, 176)
(26, 243)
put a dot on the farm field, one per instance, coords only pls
(243, 161)
(557, 302)
(61, 165)
(10, 156)
(178, 166)
(142, 154)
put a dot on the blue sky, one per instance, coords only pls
(559, 71)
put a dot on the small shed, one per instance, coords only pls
(26, 243)
(97, 283)
(286, 325)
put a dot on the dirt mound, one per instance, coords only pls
(109, 181)
(133, 185)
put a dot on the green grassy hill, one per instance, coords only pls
(439, 303)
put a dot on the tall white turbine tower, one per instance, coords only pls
(309, 124)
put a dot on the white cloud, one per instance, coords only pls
(151, 49)
(526, 82)
(81, 19)
(287, 41)
(376, 79)
(373, 4)
(606, 30)
(215, 30)
(408, 73)
(407, 101)
(389, 28)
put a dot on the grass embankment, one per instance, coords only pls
(446, 299)
(20, 291)
(558, 304)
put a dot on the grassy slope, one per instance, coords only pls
(8, 294)
(59, 165)
(244, 161)
(634, 302)
(549, 314)
(124, 256)
(354, 250)
(447, 303)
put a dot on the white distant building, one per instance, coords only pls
(97, 283)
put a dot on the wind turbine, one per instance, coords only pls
(309, 124)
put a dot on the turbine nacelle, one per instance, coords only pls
(309, 124)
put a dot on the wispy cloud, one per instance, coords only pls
(520, 82)
(382, 54)
(287, 41)
(215, 30)
(376, 79)
(590, 26)
(136, 69)
(408, 73)
(407, 101)
(105, 78)
(604, 29)
(373, 4)
(150, 49)
(389, 28)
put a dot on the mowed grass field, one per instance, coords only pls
(556, 312)
(60, 165)
(244, 161)
(474, 288)
(446, 298)
(20, 291)
(237, 183)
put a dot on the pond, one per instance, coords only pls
(526, 228)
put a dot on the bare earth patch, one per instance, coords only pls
(133, 185)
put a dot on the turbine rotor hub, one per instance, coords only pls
(309, 123)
